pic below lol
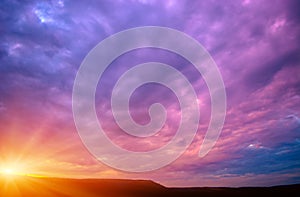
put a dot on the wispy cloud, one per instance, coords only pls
(254, 43)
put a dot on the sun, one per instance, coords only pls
(10, 172)
(13, 170)
(7, 171)
(16, 171)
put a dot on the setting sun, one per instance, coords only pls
(11, 171)
(7, 171)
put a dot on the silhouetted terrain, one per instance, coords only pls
(30, 186)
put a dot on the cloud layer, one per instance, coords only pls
(254, 43)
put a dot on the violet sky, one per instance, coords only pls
(254, 43)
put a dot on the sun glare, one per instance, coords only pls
(17, 171)
(8, 171)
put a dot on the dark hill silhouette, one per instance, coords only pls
(31, 186)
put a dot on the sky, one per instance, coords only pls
(254, 43)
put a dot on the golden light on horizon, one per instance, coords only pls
(11, 172)
(11, 169)
(7, 171)
(14, 172)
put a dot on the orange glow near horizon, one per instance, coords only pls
(11, 171)
(7, 171)
(14, 169)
